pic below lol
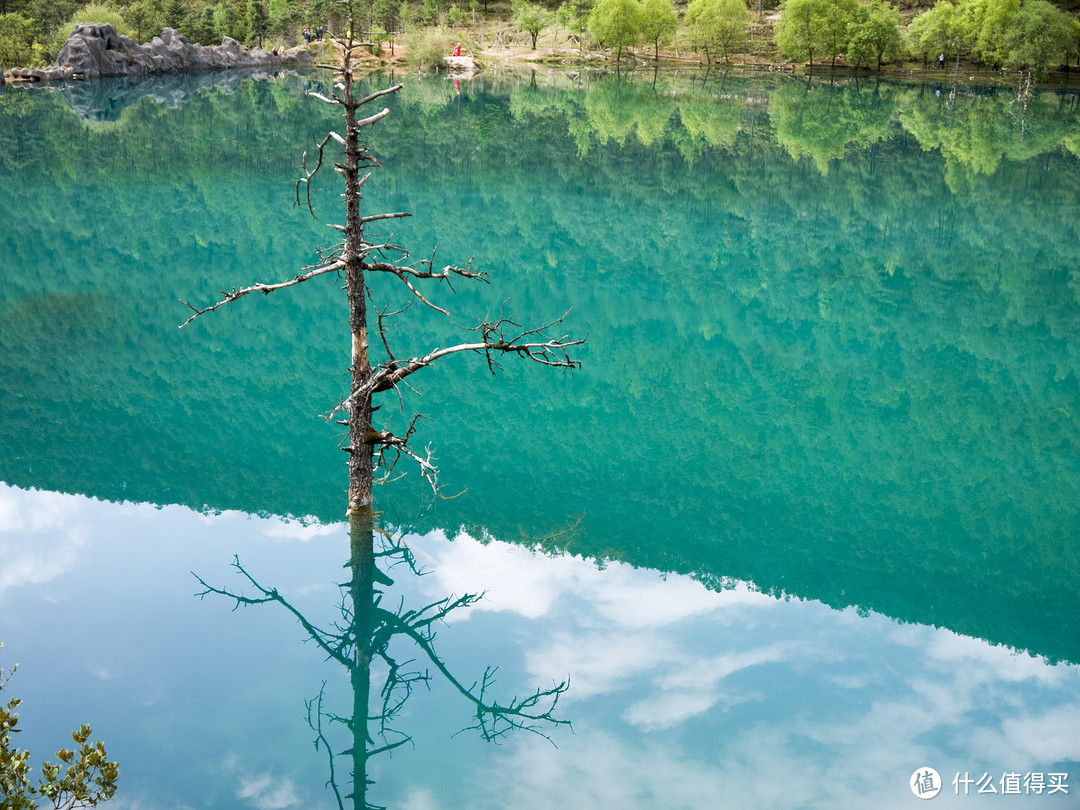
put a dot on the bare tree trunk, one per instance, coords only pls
(362, 564)
(361, 448)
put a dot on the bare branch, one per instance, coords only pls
(378, 93)
(388, 441)
(320, 637)
(493, 721)
(320, 96)
(373, 217)
(316, 726)
(371, 119)
(446, 274)
(306, 179)
(265, 289)
(546, 351)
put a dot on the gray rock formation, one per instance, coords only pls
(95, 49)
(106, 99)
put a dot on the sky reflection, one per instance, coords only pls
(680, 696)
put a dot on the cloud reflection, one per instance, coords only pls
(52, 518)
(735, 694)
(680, 696)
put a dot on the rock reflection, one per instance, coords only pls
(371, 636)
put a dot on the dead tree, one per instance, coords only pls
(373, 451)
(366, 634)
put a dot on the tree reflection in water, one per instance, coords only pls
(366, 635)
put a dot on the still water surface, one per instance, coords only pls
(805, 521)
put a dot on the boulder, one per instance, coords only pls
(95, 49)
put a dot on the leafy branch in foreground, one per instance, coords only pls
(83, 777)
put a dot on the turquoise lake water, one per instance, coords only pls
(805, 521)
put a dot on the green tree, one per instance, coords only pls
(258, 21)
(84, 776)
(1039, 34)
(50, 15)
(142, 19)
(227, 20)
(17, 43)
(285, 16)
(936, 31)
(658, 22)
(92, 12)
(990, 20)
(563, 15)
(531, 18)
(175, 14)
(201, 27)
(456, 17)
(581, 10)
(615, 24)
(833, 27)
(387, 15)
(875, 34)
(799, 30)
(429, 12)
(717, 25)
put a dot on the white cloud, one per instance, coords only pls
(264, 792)
(691, 686)
(531, 584)
(600, 662)
(417, 798)
(303, 531)
(41, 536)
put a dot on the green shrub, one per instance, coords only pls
(91, 13)
(18, 48)
(455, 17)
(427, 48)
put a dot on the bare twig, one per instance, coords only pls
(320, 739)
(265, 289)
(336, 651)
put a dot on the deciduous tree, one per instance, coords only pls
(875, 34)
(531, 18)
(17, 42)
(658, 22)
(936, 31)
(833, 27)
(717, 25)
(616, 24)
(989, 22)
(1038, 35)
(797, 33)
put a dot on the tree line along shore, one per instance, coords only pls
(1036, 37)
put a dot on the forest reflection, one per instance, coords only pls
(388, 651)
(822, 119)
(847, 308)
